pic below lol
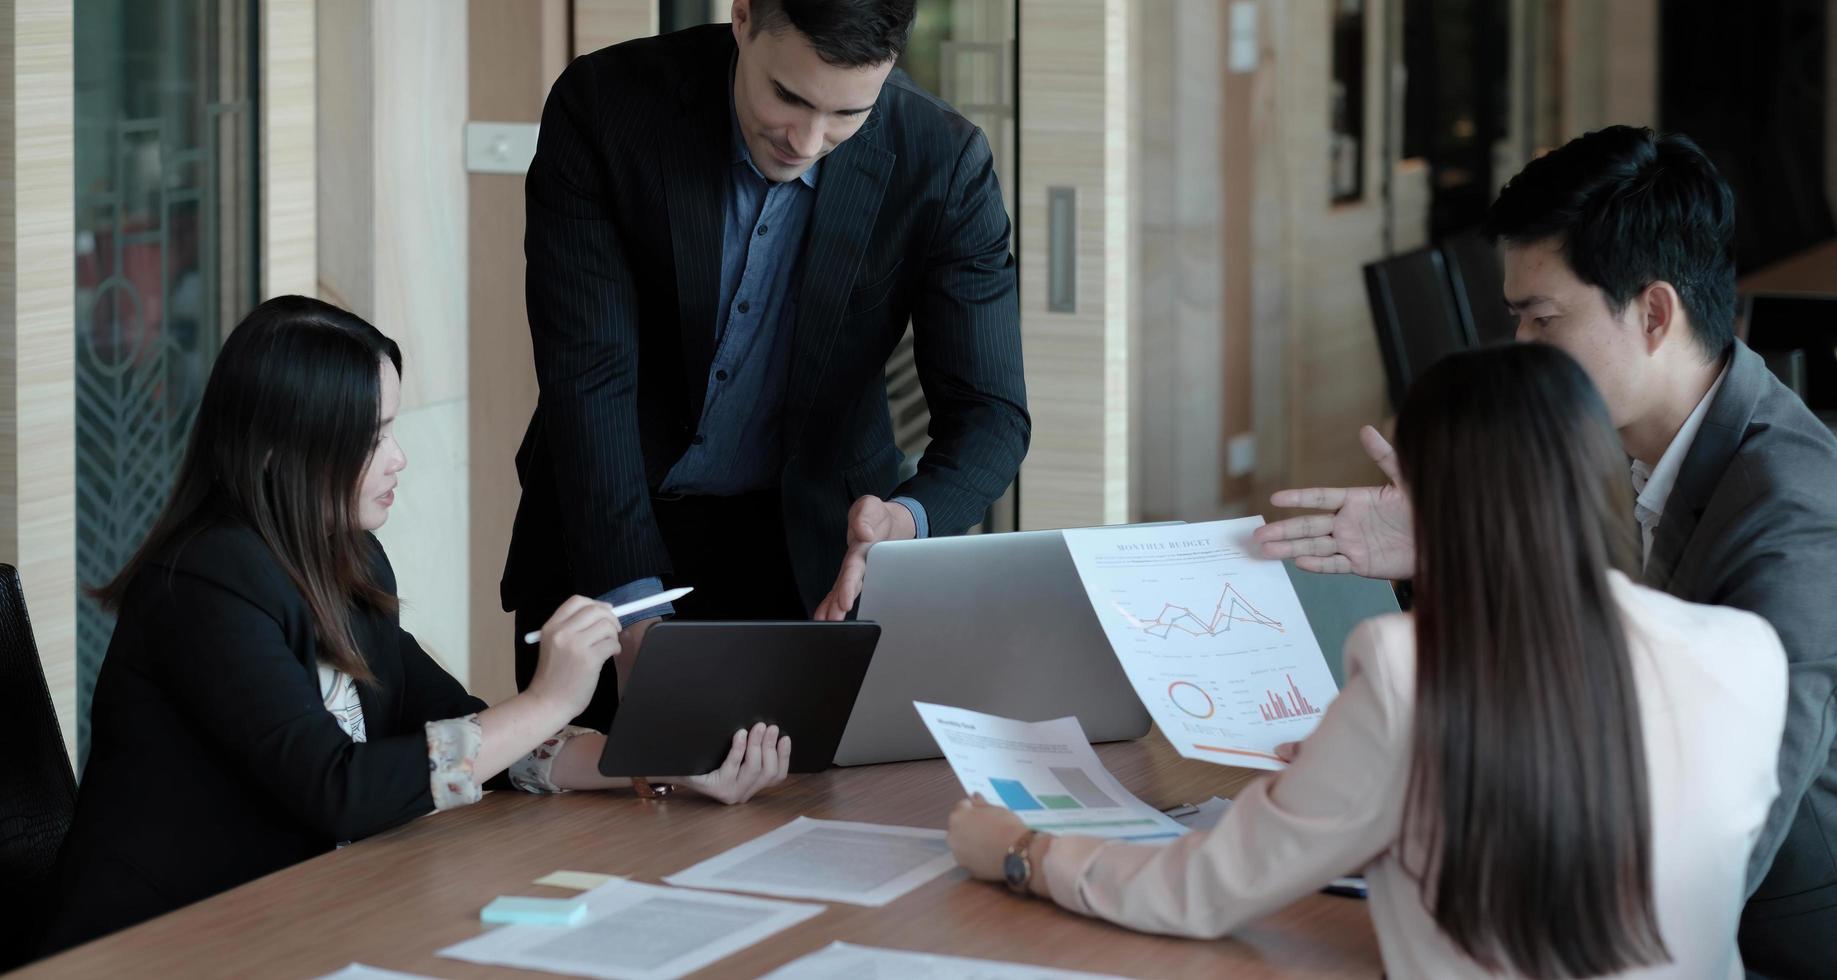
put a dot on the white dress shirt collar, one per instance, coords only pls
(1654, 483)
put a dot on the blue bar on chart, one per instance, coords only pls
(1014, 796)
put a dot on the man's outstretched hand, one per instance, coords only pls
(870, 521)
(1365, 530)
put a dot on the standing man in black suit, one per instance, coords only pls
(728, 230)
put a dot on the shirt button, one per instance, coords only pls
(744, 306)
(698, 440)
(720, 375)
(763, 229)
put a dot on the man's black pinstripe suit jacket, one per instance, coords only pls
(623, 245)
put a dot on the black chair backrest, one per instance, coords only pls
(1413, 308)
(38, 792)
(1787, 322)
(1479, 287)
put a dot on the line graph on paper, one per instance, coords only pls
(1231, 610)
(1213, 637)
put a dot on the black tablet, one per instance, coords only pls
(696, 683)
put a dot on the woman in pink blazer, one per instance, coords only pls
(1544, 770)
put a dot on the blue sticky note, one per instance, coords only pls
(526, 911)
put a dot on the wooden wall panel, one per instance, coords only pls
(289, 162)
(517, 49)
(1075, 131)
(37, 346)
(598, 23)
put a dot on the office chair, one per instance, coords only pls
(38, 791)
(1413, 308)
(1782, 322)
(1479, 288)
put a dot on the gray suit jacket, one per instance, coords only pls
(1752, 523)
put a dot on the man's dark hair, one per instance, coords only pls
(845, 33)
(1630, 208)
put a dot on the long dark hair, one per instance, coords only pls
(1527, 798)
(286, 427)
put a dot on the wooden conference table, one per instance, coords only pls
(393, 900)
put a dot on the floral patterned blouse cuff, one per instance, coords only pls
(452, 753)
(531, 774)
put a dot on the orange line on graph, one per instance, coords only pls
(1189, 623)
(1254, 755)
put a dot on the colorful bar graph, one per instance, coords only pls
(1014, 796)
(1275, 709)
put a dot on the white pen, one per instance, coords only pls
(534, 637)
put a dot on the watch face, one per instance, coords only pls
(1014, 869)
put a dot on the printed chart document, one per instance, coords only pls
(1045, 772)
(635, 931)
(842, 961)
(1211, 635)
(835, 861)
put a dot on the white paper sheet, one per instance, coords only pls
(1211, 635)
(638, 932)
(1045, 772)
(358, 971)
(835, 861)
(844, 961)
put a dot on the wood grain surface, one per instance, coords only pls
(394, 900)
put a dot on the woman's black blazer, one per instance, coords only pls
(213, 760)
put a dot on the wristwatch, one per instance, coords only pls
(1017, 866)
(648, 790)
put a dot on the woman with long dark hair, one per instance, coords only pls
(259, 703)
(1546, 770)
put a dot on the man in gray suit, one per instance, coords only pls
(1618, 248)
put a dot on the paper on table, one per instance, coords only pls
(1212, 636)
(845, 961)
(638, 932)
(1213, 810)
(358, 971)
(1045, 772)
(835, 861)
(1207, 815)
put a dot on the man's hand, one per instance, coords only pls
(870, 521)
(1368, 531)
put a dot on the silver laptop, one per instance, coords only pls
(997, 623)
(1000, 623)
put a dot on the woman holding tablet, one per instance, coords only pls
(1547, 770)
(260, 704)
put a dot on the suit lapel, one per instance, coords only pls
(1710, 454)
(849, 192)
(695, 163)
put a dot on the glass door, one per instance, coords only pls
(166, 184)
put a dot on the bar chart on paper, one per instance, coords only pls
(1212, 636)
(1044, 771)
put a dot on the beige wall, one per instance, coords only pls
(1318, 374)
(1178, 295)
(392, 83)
(37, 346)
(599, 23)
(290, 165)
(517, 49)
(1075, 130)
